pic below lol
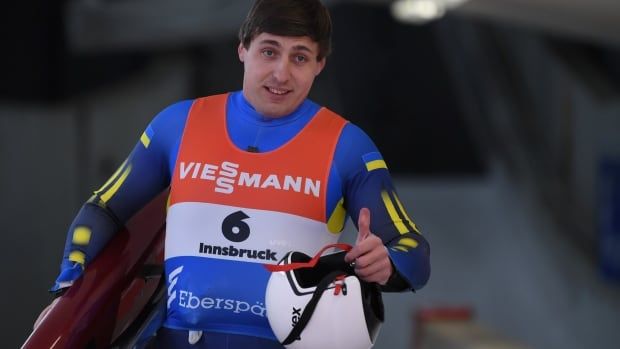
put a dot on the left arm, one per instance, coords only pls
(390, 250)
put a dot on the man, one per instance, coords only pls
(254, 174)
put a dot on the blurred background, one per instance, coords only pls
(499, 119)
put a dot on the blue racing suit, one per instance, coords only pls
(358, 178)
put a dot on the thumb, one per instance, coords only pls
(363, 224)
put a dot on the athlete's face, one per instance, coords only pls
(279, 72)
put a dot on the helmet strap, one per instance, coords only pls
(309, 309)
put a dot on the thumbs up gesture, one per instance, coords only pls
(372, 262)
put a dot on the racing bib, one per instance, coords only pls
(232, 211)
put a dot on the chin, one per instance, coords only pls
(275, 112)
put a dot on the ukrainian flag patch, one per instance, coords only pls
(373, 161)
(146, 137)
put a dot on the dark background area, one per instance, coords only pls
(406, 101)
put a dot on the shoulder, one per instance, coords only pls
(354, 151)
(173, 115)
(350, 132)
(167, 126)
(353, 141)
(353, 138)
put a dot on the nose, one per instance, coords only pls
(281, 71)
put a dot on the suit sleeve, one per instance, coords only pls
(144, 174)
(367, 183)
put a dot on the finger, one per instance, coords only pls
(363, 227)
(362, 247)
(373, 251)
(378, 272)
(363, 224)
(354, 253)
(370, 269)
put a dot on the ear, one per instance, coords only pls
(241, 51)
(320, 66)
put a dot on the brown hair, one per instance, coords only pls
(289, 18)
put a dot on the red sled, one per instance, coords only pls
(119, 292)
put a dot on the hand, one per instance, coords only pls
(45, 311)
(372, 261)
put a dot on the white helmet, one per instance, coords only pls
(320, 303)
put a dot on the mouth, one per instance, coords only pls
(277, 91)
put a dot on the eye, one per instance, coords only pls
(300, 59)
(268, 53)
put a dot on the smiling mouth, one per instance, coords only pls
(277, 91)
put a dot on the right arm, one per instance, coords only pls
(144, 174)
